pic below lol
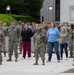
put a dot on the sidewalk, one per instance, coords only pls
(26, 67)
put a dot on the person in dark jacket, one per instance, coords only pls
(26, 34)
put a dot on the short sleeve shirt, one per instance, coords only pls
(53, 35)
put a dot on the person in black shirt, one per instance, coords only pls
(26, 34)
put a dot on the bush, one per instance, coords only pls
(7, 18)
(24, 18)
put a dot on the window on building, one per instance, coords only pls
(42, 19)
(71, 12)
(57, 10)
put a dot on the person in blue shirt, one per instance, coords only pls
(53, 35)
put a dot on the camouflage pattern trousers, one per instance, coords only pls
(13, 46)
(0, 52)
(73, 50)
(3, 46)
(40, 51)
(20, 45)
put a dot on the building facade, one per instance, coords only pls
(67, 11)
(57, 11)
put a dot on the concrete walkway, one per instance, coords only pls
(26, 67)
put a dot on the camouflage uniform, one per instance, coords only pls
(32, 42)
(1, 45)
(44, 31)
(70, 42)
(20, 39)
(73, 44)
(39, 46)
(13, 34)
(3, 30)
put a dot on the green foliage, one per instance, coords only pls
(33, 6)
(29, 7)
(24, 18)
(7, 18)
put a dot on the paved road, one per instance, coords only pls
(26, 67)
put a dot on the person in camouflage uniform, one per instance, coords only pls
(44, 31)
(73, 47)
(69, 29)
(32, 42)
(72, 27)
(13, 34)
(21, 27)
(3, 30)
(1, 46)
(40, 40)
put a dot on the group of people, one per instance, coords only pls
(45, 37)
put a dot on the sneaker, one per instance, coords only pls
(22, 58)
(29, 58)
(34, 56)
(58, 61)
(48, 61)
(61, 59)
(66, 58)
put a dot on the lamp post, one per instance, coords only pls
(50, 7)
(50, 14)
(8, 9)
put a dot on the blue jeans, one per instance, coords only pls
(64, 46)
(56, 47)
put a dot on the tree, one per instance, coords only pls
(33, 6)
(30, 7)
(16, 5)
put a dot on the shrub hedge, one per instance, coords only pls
(6, 18)
(24, 18)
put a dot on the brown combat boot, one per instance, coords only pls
(70, 56)
(4, 54)
(0, 62)
(9, 59)
(16, 59)
(73, 64)
(36, 63)
(43, 62)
